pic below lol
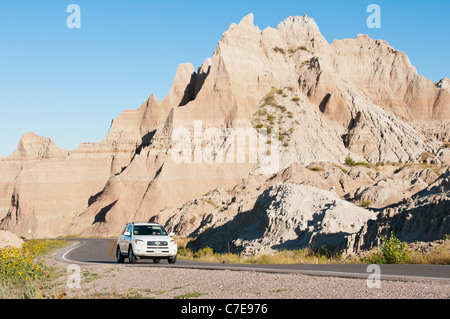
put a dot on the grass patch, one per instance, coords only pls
(279, 50)
(440, 255)
(392, 250)
(270, 117)
(282, 290)
(269, 99)
(306, 255)
(366, 203)
(212, 203)
(368, 165)
(425, 155)
(301, 48)
(190, 295)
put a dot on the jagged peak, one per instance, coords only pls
(304, 23)
(183, 78)
(303, 30)
(152, 99)
(298, 20)
(247, 20)
(205, 66)
(243, 27)
(444, 83)
(33, 146)
(364, 39)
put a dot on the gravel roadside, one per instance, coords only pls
(126, 281)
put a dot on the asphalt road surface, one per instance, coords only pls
(102, 251)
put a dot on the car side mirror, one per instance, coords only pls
(127, 233)
(171, 234)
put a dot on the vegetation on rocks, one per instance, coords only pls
(394, 251)
(391, 251)
(23, 272)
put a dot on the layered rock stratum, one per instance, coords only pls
(187, 161)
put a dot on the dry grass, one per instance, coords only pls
(440, 255)
(306, 255)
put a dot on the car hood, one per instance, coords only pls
(153, 238)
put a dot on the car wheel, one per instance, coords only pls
(120, 257)
(131, 257)
(173, 260)
(156, 260)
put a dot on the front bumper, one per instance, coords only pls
(155, 252)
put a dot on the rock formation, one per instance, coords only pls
(308, 105)
(8, 239)
(422, 217)
(288, 216)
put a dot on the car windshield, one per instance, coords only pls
(145, 230)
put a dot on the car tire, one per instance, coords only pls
(172, 260)
(156, 260)
(131, 257)
(120, 257)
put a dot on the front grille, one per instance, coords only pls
(157, 243)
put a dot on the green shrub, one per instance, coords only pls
(262, 112)
(270, 117)
(366, 203)
(269, 99)
(392, 251)
(204, 252)
(349, 161)
(279, 50)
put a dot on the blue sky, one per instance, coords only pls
(68, 84)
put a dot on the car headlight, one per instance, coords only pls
(172, 242)
(139, 242)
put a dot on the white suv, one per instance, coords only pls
(146, 241)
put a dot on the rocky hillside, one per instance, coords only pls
(288, 216)
(188, 161)
(425, 216)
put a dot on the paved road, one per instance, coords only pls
(102, 251)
